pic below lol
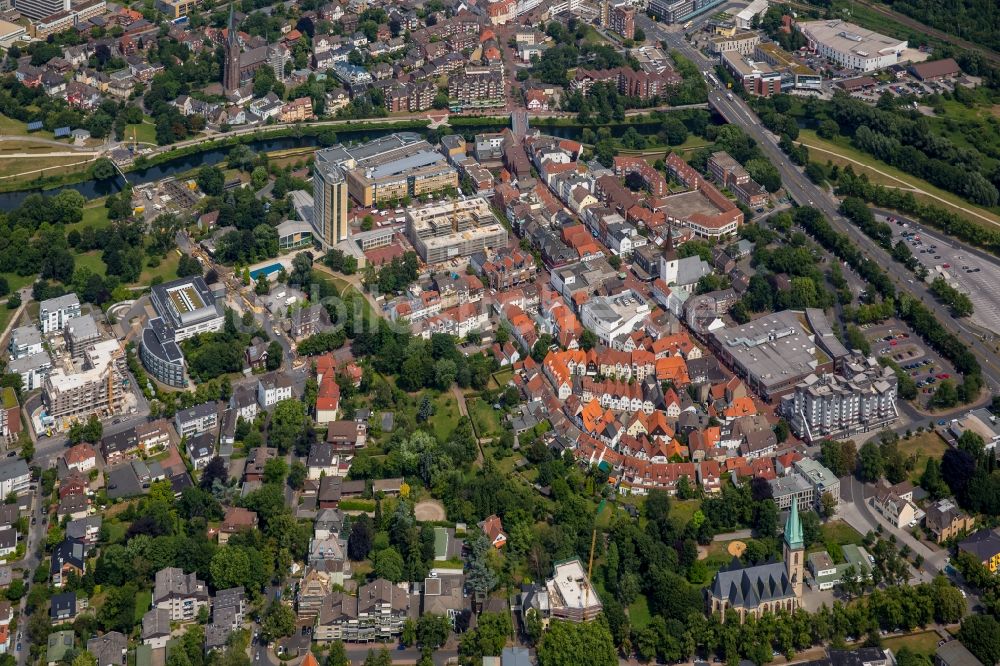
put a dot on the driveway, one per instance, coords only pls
(854, 510)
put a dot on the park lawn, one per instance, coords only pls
(446, 415)
(638, 612)
(143, 601)
(924, 642)
(145, 132)
(15, 281)
(167, 270)
(485, 419)
(923, 445)
(91, 260)
(837, 531)
(27, 145)
(899, 179)
(94, 215)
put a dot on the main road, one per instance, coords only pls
(807, 193)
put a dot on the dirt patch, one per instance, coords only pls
(736, 548)
(429, 511)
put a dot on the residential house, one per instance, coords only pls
(946, 521)
(272, 388)
(67, 558)
(237, 519)
(109, 649)
(156, 628)
(81, 457)
(377, 613)
(62, 607)
(198, 419)
(984, 545)
(492, 527)
(179, 593)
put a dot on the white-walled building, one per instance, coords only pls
(53, 313)
(852, 46)
(832, 405)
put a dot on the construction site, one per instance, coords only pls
(458, 228)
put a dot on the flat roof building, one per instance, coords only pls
(571, 595)
(772, 353)
(24, 341)
(97, 388)
(852, 46)
(388, 169)
(53, 313)
(81, 332)
(187, 306)
(460, 228)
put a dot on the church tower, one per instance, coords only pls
(231, 61)
(794, 549)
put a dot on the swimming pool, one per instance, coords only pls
(265, 270)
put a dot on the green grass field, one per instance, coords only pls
(638, 612)
(143, 601)
(145, 132)
(15, 281)
(840, 532)
(924, 642)
(923, 446)
(500, 378)
(485, 419)
(822, 150)
(91, 260)
(681, 511)
(446, 416)
(11, 127)
(167, 270)
(5, 316)
(94, 215)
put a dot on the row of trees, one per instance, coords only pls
(914, 313)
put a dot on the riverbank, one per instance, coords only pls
(170, 161)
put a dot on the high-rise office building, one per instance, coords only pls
(38, 9)
(329, 218)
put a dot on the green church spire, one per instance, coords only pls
(793, 528)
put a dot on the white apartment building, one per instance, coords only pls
(14, 476)
(272, 389)
(862, 398)
(179, 593)
(24, 341)
(53, 313)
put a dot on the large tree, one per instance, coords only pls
(577, 644)
(288, 421)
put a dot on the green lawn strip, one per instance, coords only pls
(841, 146)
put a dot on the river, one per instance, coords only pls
(95, 189)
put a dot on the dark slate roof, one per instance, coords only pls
(750, 586)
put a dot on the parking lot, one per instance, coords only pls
(904, 85)
(970, 273)
(894, 340)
